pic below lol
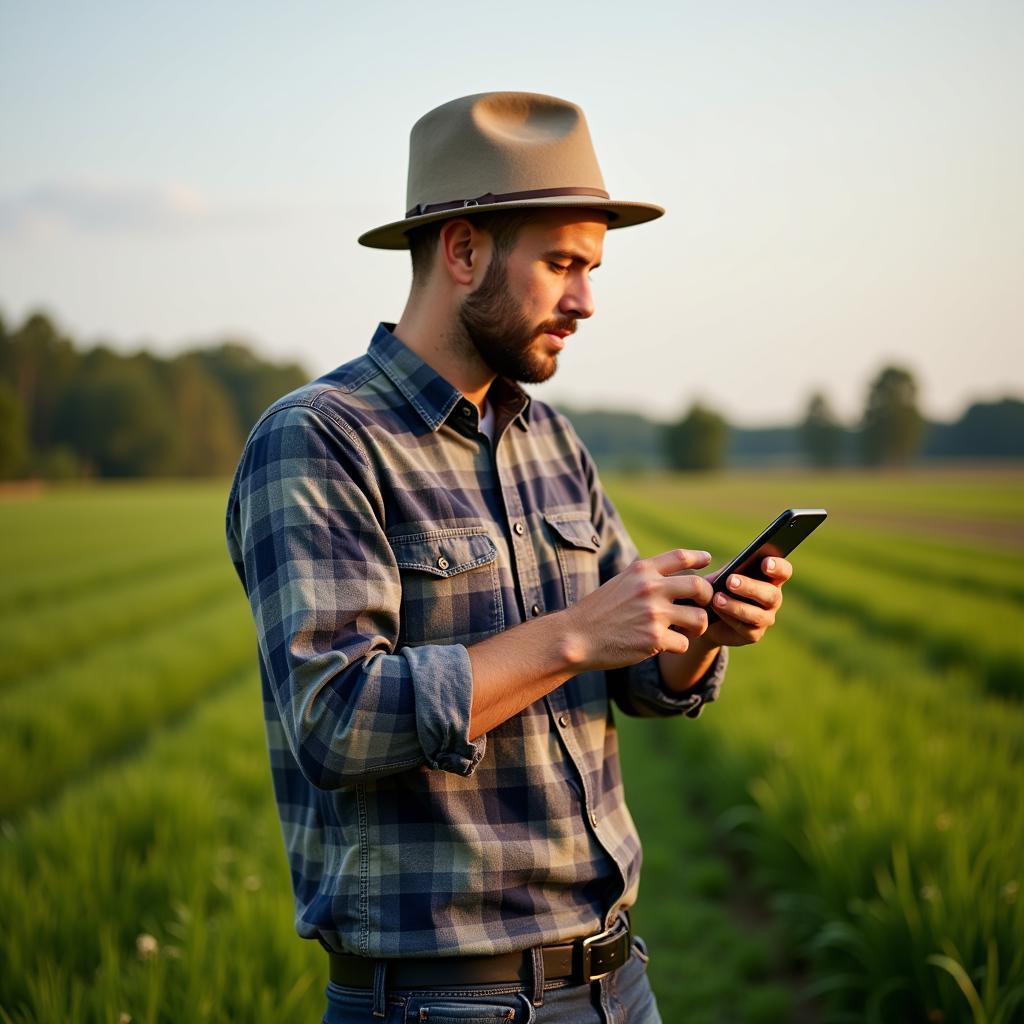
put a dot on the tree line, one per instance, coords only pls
(892, 432)
(67, 412)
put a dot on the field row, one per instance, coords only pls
(33, 639)
(158, 887)
(65, 719)
(877, 805)
(948, 623)
(79, 542)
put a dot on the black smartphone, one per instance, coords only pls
(779, 539)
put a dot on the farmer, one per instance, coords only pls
(447, 603)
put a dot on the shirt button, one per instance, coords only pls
(563, 721)
(466, 411)
(442, 562)
(535, 610)
(518, 529)
(593, 818)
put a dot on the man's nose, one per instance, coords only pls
(578, 300)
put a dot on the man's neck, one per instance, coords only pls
(437, 338)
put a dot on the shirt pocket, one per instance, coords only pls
(576, 543)
(450, 586)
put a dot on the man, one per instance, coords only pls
(447, 604)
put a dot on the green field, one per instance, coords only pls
(840, 838)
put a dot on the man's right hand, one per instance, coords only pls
(634, 615)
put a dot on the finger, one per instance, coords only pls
(691, 619)
(778, 569)
(742, 612)
(679, 558)
(767, 595)
(688, 588)
(676, 643)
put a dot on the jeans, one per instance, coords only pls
(623, 997)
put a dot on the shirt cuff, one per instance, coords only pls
(442, 678)
(689, 702)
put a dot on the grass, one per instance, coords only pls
(872, 789)
(838, 839)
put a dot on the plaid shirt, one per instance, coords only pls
(377, 534)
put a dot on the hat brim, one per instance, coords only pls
(621, 215)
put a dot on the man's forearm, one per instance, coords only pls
(514, 668)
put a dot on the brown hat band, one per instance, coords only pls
(504, 197)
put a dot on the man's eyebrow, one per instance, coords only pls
(568, 254)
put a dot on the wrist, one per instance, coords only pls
(573, 648)
(681, 672)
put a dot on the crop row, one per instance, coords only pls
(950, 498)
(33, 639)
(57, 724)
(157, 887)
(78, 540)
(947, 624)
(877, 800)
(913, 554)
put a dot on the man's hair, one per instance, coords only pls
(502, 225)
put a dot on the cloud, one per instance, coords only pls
(89, 206)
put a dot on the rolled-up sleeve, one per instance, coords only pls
(641, 691)
(306, 536)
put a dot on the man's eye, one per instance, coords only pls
(559, 267)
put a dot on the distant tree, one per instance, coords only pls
(821, 434)
(118, 418)
(40, 365)
(13, 435)
(993, 429)
(250, 382)
(893, 427)
(620, 441)
(697, 441)
(208, 438)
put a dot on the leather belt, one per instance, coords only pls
(582, 961)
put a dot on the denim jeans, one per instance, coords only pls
(623, 997)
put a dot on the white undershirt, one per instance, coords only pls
(487, 421)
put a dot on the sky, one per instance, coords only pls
(844, 183)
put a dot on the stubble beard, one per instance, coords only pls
(491, 322)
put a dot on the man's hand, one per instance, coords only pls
(743, 623)
(634, 616)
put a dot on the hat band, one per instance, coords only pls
(505, 197)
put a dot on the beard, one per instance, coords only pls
(492, 323)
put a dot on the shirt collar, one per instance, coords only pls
(433, 398)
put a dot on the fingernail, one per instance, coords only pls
(771, 564)
(707, 555)
(734, 582)
(720, 600)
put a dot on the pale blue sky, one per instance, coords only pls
(843, 181)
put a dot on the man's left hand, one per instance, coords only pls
(741, 622)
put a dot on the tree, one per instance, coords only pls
(248, 381)
(697, 441)
(893, 427)
(208, 439)
(13, 435)
(40, 365)
(821, 434)
(118, 418)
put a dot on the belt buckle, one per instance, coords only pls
(586, 952)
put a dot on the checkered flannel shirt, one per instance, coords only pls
(378, 534)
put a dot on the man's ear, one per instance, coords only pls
(462, 251)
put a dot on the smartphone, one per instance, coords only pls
(779, 539)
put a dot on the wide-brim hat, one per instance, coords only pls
(502, 151)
